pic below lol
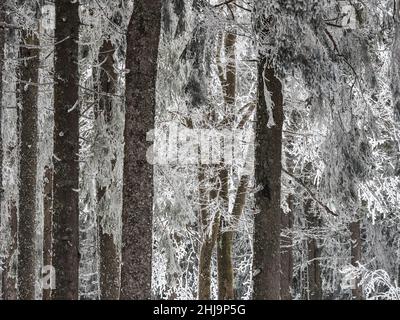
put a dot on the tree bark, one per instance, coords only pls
(314, 268)
(141, 60)
(209, 235)
(224, 243)
(28, 95)
(2, 57)
(268, 166)
(2, 66)
(109, 253)
(225, 239)
(9, 280)
(287, 254)
(47, 222)
(66, 151)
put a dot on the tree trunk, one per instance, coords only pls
(28, 95)
(47, 222)
(355, 230)
(9, 280)
(287, 219)
(209, 238)
(2, 66)
(314, 268)
(287, 254)
(224, 243)
(2, 57)
(66, 151)
(141, 61)
(109, 253)
(225, 239)
(268, 166)
(8, 275)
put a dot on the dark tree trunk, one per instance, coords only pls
(225, 239)
(287, 282)
(2, 47)
(355, 230)
(66, 151)
(109, 254)
(314, 268)
(287, 254)
(2, 66)
(141, 61)
(28, 95)
(225, 244)
(268, 166)
(209, 239)
(47, 222)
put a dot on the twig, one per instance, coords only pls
(312, 195)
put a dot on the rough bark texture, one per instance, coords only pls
(28, 95)
(47, 222)
(225, 239)
(268, 166)
(109, 253)
(209, 236)
(2, 47)
(287, 282)
(141, 60)
(66, 151)
(224, 243)
(287, 254)
(355, 231)
(225, 266)
(9, 280)
(314, 268)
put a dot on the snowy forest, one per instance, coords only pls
(200, 149)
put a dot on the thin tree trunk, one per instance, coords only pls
(314, 268)
(355, 230)
(224, 243)
(225, 239)
(2, 66)
(109, 254)
(268, 167)
(209, 236)
(9, 273)
(66, 151)
(47, 222)
(287, 254)
(197, 53)
(28, 95)
(9, 280)
(2, 57)
(141, 61)
(287, 219)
